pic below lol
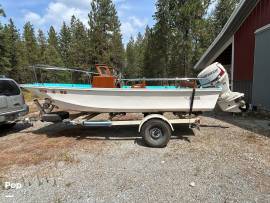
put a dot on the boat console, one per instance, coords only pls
(105, 78)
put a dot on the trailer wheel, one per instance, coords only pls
(156, 133)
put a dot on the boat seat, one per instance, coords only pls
(188, 84)
(141, 85)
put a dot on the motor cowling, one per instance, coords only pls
(216, 75)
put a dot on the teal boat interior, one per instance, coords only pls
(87, 86)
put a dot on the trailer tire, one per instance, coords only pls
(156, 133)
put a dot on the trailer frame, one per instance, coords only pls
(155, 129)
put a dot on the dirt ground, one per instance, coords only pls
(227, 160)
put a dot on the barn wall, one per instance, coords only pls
(244, 43)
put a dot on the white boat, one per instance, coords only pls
(137, 98)
(128, 99)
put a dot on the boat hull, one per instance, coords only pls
(129, 100)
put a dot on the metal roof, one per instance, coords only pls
(224, 39)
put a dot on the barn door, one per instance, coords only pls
(261, 74)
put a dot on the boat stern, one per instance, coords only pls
(232, 102)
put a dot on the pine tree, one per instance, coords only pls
(130, 70)
(200, 34)
(52, 54)
(30, 51)
(25, 75)
(12, 50)
(64, 44)
(201, 39)
(42, 46)
(4, 63)
(222, 14)
(116, 47)
(79, 44)
(178, 38)
(139, 51)
(135, 53)
(30, 43)
(162, 35)
(186, 18)
(105, 36)
(52, 38)
(149, 60)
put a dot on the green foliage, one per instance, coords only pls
(105, 35)
(151, 61)
(30, 43)
(222, 14)
(130, 70)
(4, 61)
(53, 39)
(30, 50)
(140, 49)
(177, 39)
(12, 39)
(135, 53)
(64, 44)
(3, 47)
(79, 44)
(52, 55)
(182, 32)
(42, 47)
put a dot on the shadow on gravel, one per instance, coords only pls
(107, 133)
(7, 129)
(214, 126)
(249, 123)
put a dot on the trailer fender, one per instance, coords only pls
(154, 116)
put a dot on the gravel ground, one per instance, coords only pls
(228, 160)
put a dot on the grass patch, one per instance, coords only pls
(66, 157)
(28, 96)
(33, 150)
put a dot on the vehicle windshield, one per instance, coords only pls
(8, 88)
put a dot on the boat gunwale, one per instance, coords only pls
(215, 89)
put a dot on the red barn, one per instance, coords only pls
(243, 47)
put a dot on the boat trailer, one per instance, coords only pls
(155, 129)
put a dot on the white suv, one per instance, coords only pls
(12, 104)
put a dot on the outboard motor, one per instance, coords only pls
(216, 75)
